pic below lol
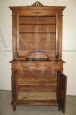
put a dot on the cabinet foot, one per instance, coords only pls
(59, 108)
(14, 107)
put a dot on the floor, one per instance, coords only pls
(6, 108)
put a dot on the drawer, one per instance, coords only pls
(34, 65)
(37, 12)
(51, 66)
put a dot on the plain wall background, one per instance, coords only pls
(69, 40)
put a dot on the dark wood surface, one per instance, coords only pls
(37, 79)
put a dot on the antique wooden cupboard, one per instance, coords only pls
(37, 65)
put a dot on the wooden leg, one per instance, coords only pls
(59, 108)
(14, 107)
(13, 94)
(11, 103)
(64, 102)
(63, 110)
(62, 81)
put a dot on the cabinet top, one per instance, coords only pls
(37, 5)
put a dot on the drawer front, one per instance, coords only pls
(35, 12)
(30, 65)
(51, 66)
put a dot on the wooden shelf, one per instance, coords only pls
(38, 103)
(37, 96)
(39, 32)
(37, 28)
(37, 81)
(37, 20)
(38, 88)
(38, 24)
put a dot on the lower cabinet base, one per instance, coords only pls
(38, 103)
(34, 103)
(42, 98)
(53, 103)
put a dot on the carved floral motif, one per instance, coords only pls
(37, 3)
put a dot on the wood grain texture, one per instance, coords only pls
(38, 96)
(37, 81)
(37, 28)
(37, 20)
(38, 103)
(48, 65)
(34, 88)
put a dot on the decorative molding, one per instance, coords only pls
(59, 13)
(37, 3)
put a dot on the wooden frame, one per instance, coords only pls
(30, 84)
